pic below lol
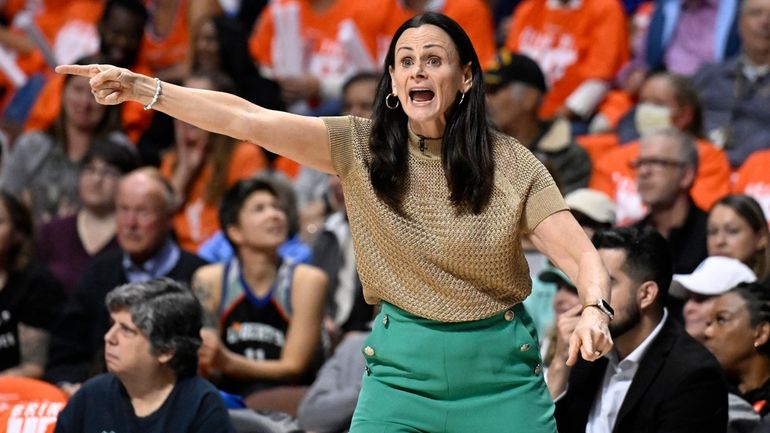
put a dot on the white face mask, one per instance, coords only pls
(651, 117)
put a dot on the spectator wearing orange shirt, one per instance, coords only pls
(665, 100)
(166, 39)
(474, 16)
(201, 166)
(310, 47)
(579, 45)
(120, 33)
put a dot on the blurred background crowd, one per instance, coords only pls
(647, 113)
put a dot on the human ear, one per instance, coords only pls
(647, 294)
(467, 77)
(761, 334)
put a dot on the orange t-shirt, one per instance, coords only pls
(473, 16)
(134, 117)
(613, 176)
(753, 178)
(29, 405)
(571, 44)
(69, 28)
(160, 52)
(197, 220)
(326, 46)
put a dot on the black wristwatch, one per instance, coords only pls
(603, 306)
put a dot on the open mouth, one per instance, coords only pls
(421, 95)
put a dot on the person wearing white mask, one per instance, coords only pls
(665, 101)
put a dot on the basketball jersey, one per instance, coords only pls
(252, 326)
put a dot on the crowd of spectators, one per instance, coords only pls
(653, 117)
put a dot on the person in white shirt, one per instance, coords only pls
(657, 378)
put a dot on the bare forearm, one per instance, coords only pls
(33, 348)
(561, 239)
(238, 366)
(300, 138)
(217, 112)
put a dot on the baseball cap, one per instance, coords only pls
(510, 67)
(555, 276)
(593, 204)
(713, 276)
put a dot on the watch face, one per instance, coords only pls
(606, 306)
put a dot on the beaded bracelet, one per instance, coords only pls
(158, 92)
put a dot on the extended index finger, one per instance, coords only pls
(81, 70)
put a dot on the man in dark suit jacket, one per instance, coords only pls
(657, 378)
(145, 204)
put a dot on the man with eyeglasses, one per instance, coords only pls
(665, 172)
(144, 204)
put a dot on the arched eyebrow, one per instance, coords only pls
(427, 46)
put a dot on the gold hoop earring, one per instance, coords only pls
(462, 98)
(387, 101)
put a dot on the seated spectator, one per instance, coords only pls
(43, 167)
(328, 405)
(665, 172)
(312, 186)
(264, 313)
(218, 249)
(665, 101)
(714, 276)
(144, 203)
(66, 245)
(474, 16)
(566, 308)
(737, 228)
(579, 45)
(681, 37)
(120, 30)
(201, 166)
(29, 295)
(753, 179)
(221, 46)
(151, 355)
(656, 377)
(166, 39)
(515, 87)
(737, 334)
(311, 47)
(736, 93)
(346, 309)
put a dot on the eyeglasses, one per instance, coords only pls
(655, 163)
(103, 172)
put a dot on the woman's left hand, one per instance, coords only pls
(591, 337)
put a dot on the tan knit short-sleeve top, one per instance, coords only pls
(435, 262)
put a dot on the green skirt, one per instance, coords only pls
(483, 376)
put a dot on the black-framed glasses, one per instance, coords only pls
(655, 163)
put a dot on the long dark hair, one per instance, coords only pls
(466, 151)
(20, 250)
(109, 123)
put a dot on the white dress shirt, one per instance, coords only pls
(617, 380)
